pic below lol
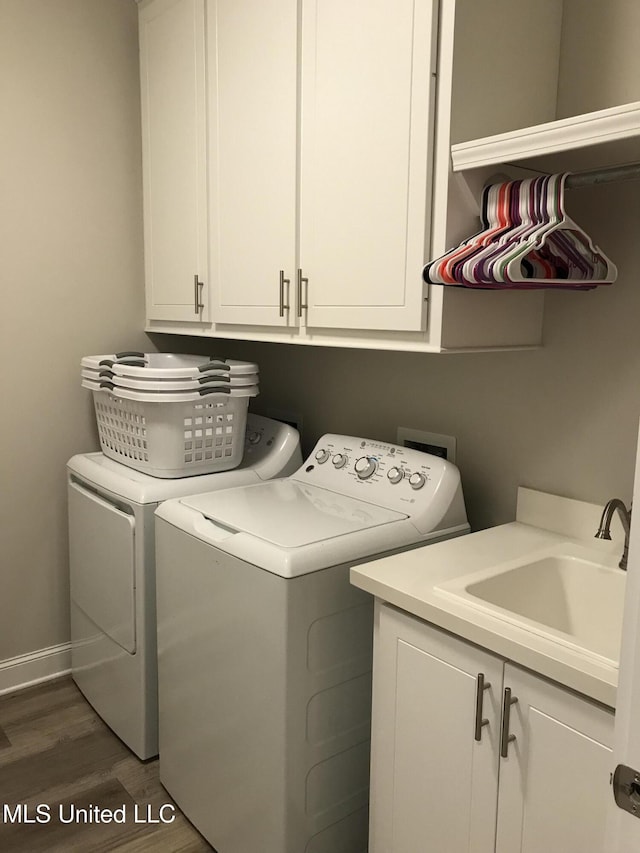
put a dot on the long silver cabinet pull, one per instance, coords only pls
(301, 281)
(505, 738)
(283, 306)
(481, 686)
(197, 289)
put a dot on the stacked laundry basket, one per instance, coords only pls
(171, 415)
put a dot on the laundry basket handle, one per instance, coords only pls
(203, 391)
(214, 365)
(203, 380)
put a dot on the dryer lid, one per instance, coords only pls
(290, 514)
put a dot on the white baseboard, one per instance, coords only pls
(34, 667)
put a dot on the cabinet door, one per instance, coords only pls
(174, 151)
(554, 783)
(433, 785)
(252, 85)
(367, 114)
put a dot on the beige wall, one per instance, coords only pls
(562, 419)
(70, 274)
(598, 55)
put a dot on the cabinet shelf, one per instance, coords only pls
(594, 140)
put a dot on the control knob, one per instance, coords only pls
(339, 460)
(254, 437)
(322, 455)
(365, 467)
(417, 480)
(395, 475)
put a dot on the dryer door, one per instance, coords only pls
(102, 564)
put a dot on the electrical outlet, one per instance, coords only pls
(428, 442)
(294, 419)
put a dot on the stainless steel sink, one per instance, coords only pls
(571, 596)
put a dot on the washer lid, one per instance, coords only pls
(290, 514)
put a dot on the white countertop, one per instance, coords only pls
(409, 581)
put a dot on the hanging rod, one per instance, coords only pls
(603, 176)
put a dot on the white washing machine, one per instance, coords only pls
(264, 648)
(112, 572)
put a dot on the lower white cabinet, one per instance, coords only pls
(471, 754)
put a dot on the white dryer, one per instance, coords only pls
(112, 572)
(264, 648)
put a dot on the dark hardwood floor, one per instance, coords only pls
(56, 753)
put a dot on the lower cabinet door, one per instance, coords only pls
(434, 740)
(554, 781)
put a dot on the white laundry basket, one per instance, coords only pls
(173, 435)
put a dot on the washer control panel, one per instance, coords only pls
(395, 477)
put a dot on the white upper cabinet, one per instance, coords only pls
(252, 98)
(357, 140)
(334, 133)
(325, 136)
(368, 83)
(174, 159)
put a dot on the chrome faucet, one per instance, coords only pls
(605, 523)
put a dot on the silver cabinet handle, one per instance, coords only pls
(506, 738)
(197, 290)
(480, 722)
(301, 281)
(283, 281)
